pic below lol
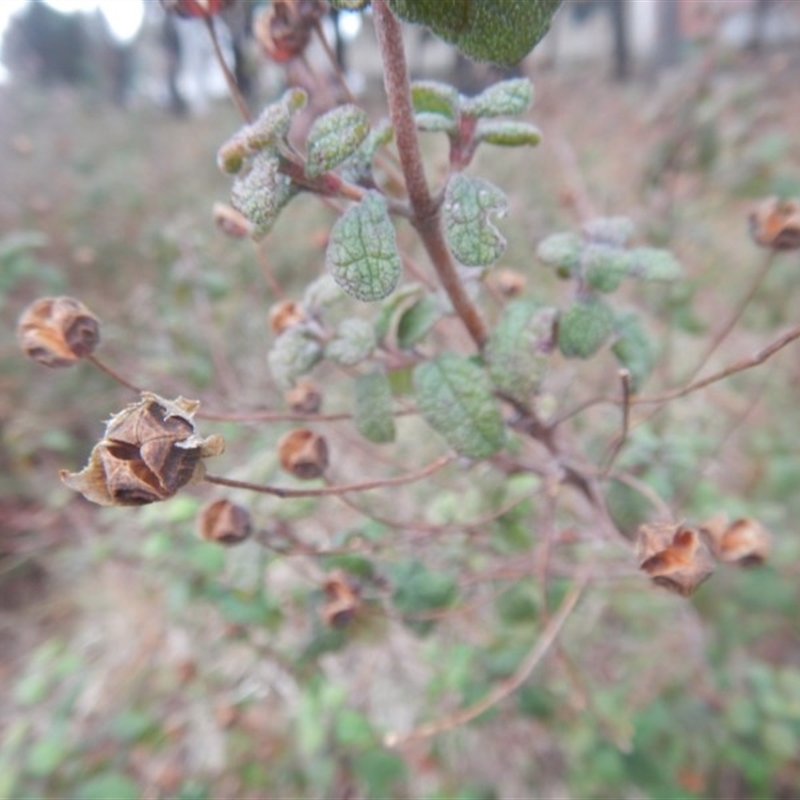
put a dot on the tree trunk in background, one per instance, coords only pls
(669, 33)
(619, 21)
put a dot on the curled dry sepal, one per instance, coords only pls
(775, 223)
(58, 331)
(224, 522)
(343, 600)
(283, 28)
(149, 451)
(303, 453)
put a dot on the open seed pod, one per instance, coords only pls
(304, 398)
(283, 28)
(775, 223)
(58, 331)
(303, 453)
(674, 556)
(150, 450)
(744, 541)
(284, 314)
(343, 600)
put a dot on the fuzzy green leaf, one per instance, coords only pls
(615, 231)
(519, 347)
(604, 266)
(584, 328)
(434, 123)
(471, 236)
(562, 251)
(334, 137)
(487, 30)
(507, 133)
(294, 353)
(373, 408)
(416, 322)
(354, 341)
(261, 191)
(507, 98)
(433, 97)
(358, 167)
(454, 395)
(362, 252)
(633, 349)
(321, 293)
(654, 264)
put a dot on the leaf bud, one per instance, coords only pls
(284, 314)
(744, 542)
(58, 331)
(508, 282)
(150, 450)
(775, 223)
(343, 600)
(674, 556)
(303, 453)
(231, 222)
(304, 398)
(224, 522)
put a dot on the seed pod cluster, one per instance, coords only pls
(58, 331)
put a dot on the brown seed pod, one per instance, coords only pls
(343, 599)
(195, 8)
(283, 28)
(509, 282)
(231, 222)
(224, 522)
(304, 398)
(303, 453)
(284, 314)
(674, 557)
(57, 331)
(744, 542)
(775, 223)
(149, 451)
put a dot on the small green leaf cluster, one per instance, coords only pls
(469, 121)
(598, 260)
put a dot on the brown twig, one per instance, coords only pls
(113, 374)
(426, 217)
(506, 687)
(328, 491)
(233, 87)
(619, 441)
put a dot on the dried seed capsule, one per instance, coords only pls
(284, 314)
(304, 398)
(303, 453)
(58, 331)
(775, 223)
(744, 542)
(149, 451)
(224, 522)
(195, 8)
(674, 557)
(283, 29)
(509, 282)
(343, 600)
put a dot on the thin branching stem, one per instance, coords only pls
(328, 491)
(233, 87)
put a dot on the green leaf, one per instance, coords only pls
(261, 191)
(562, 251)
(334, 137)
(519, 347)
(471, 237)
(321, 293)
(604, 266)
(507, 133)
(418, 590)
(633, 349)
(294, 353)
(434, 123)
(47, 755)
(609, 230)
(108, 786)
(352, 729)
(373, 408)
(454, 395)
(520, 604)
(362, 252)
(486, 30)
(433, 97)
(416, 322)
(507, 98)
(358, 167)
(379, 770)
(584, 328)
(654, 264)
(350, 5)
(354, 342)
